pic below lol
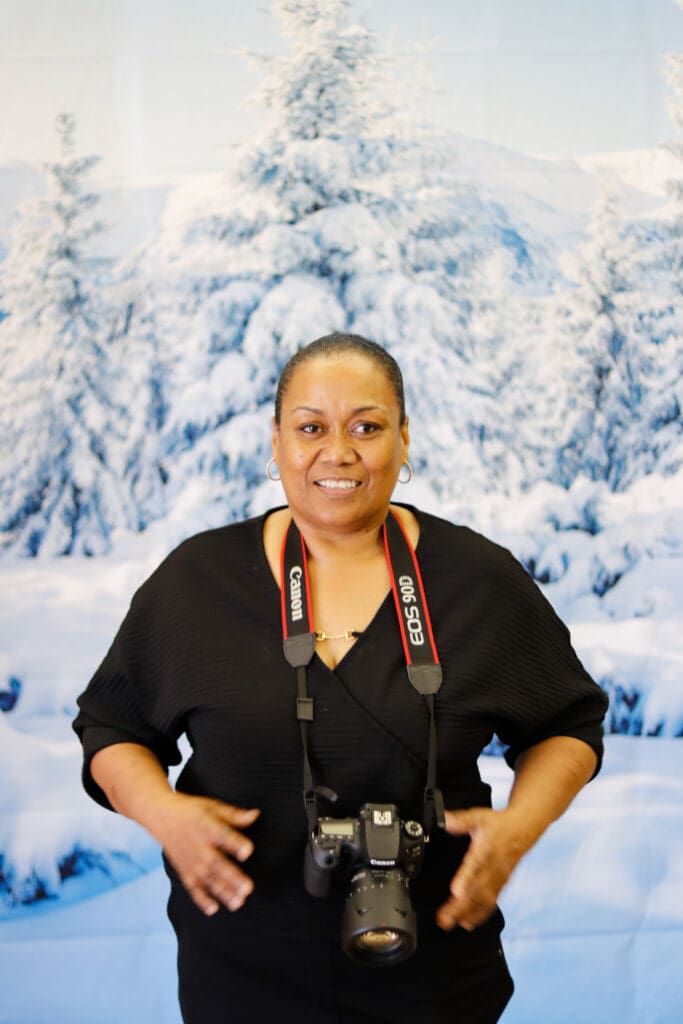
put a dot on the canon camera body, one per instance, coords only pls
(379, 855)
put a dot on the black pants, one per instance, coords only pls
(257, 977)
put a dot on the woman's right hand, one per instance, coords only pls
(202, 839)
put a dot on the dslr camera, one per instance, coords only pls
(379, 855)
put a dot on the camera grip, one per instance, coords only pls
(316, 876)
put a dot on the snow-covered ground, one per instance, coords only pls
(594, 918)
(595, 912)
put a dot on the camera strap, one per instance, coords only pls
(422, 662)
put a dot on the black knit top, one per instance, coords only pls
(200, 652)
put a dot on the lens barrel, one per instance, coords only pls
(378, 924)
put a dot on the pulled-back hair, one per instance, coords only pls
(338, 344)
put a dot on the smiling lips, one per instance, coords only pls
(334, 484)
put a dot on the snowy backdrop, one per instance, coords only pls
(534, 305)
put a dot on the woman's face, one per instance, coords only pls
(339, 445)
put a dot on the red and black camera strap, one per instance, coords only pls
(422, 661)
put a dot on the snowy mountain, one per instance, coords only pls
(646, 171)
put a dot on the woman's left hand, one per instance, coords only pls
(547, 778)
(496, 845)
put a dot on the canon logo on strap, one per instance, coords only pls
(295, 602)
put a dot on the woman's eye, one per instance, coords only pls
(366, 428)
(309, 428)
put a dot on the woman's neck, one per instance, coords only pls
(332, 547)
(330, 550)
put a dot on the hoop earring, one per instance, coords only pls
(410, 473)
(269, 466)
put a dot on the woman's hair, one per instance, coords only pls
(338, 344)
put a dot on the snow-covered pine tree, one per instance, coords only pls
(621, 414)
(667, 315)
(662, 280)
(62, 412)
(658, 442)
(593, 330)
(330, 112)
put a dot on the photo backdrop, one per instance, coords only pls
(186, 197)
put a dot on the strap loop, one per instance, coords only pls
(299, 649)
(426, 679)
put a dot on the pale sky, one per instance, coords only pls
(159, 90)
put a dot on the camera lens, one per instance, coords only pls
(378, 925)
(384, 938)
(382, 945)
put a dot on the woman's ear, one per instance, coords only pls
(405, 436)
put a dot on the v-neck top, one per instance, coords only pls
(200, 653)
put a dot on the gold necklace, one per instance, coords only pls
(348, 634)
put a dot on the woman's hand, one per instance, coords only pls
(202, 839)
(547, 778)
(496, 845)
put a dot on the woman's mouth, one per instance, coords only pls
(335, 484)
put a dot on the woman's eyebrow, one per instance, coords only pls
(354, 412)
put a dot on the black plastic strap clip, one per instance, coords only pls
(434, 809)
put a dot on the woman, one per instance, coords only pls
(201, 652)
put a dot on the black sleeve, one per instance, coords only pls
(130, 698)
(542, 688)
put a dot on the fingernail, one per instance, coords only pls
(239, 896)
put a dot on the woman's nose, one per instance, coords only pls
(338, 448)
